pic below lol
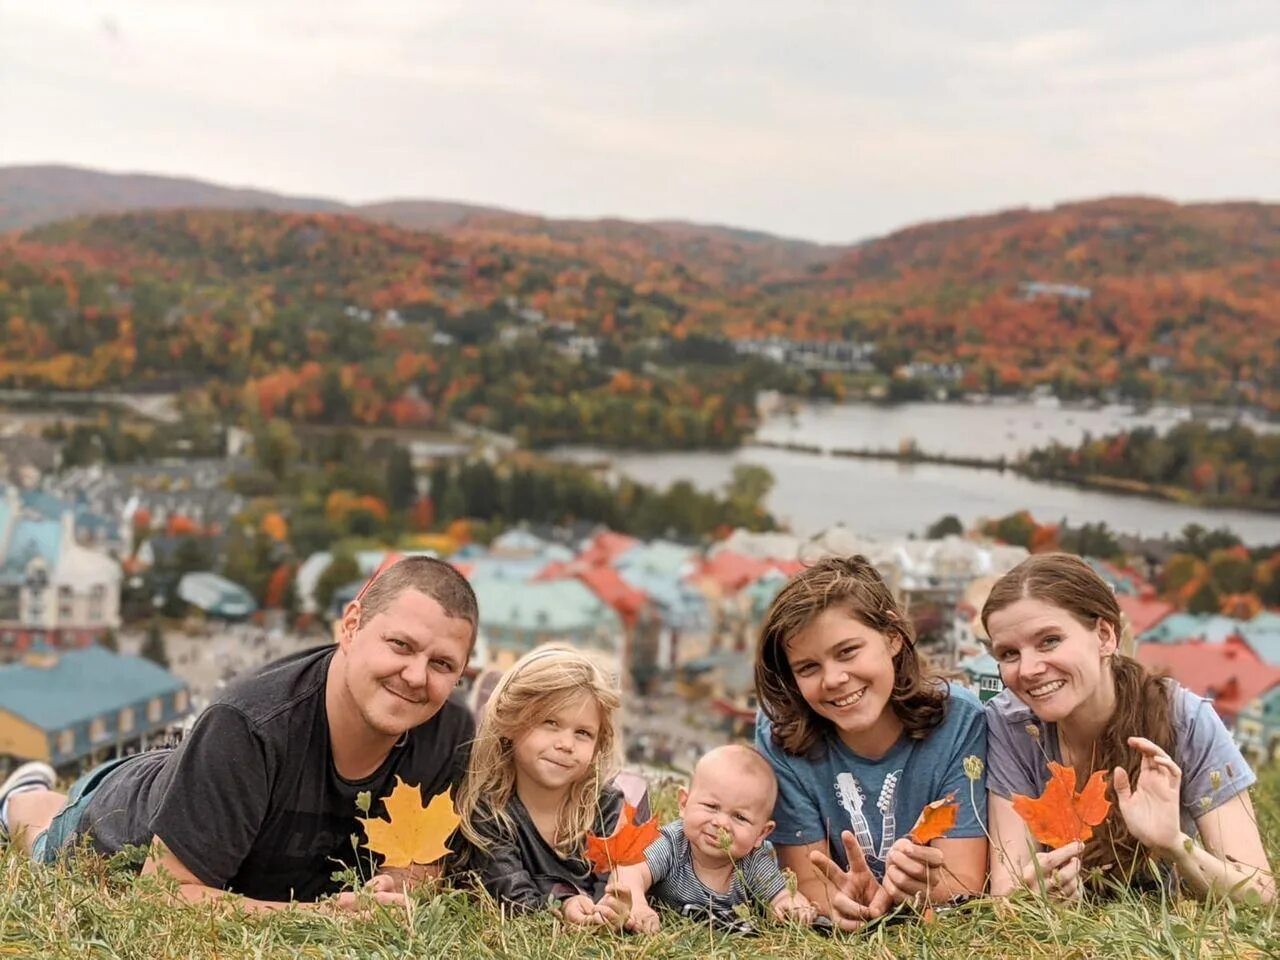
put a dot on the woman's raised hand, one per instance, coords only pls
(857, 896)
(1150, 805)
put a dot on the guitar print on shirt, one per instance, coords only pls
(853, 799)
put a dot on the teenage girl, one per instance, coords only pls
(536, 783)
(862, 738)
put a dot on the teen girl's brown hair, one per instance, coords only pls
(1143, 705)
(853, 586)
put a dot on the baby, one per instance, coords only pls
(715, 856)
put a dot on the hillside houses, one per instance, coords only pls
(194, 490)
(1243, 687)
(53, 588)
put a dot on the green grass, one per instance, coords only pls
(89, 910)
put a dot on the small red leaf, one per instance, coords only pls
(623, 847)
(935, 820)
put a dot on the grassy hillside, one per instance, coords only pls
(87, 911)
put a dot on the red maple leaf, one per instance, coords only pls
(1060, 815)
(935, 820)
(625, 846)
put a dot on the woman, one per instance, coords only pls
(1072, 698)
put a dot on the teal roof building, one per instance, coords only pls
(518, 616)
(66, 706)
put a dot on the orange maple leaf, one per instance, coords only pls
(935, 820)
(625, 846)
(1060, 815)
(411, 833)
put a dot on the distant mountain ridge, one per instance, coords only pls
(34, 195)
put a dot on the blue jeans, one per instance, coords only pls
(62, 828)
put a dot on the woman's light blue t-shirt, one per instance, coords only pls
(879, 800)
(1213, 769)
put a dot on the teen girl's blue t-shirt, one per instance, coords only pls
(878, 801)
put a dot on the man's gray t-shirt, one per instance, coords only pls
(756, 877)
(251, 801)
(879, 800)
(1213, 769)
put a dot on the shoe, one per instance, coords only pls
(29, 775)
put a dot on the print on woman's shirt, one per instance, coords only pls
(851, 796)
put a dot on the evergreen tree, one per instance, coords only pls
(944, 527)
(1205, 600)
(342, 570)
(402, 485)
(153, 646)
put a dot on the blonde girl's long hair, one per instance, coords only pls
(539, 684)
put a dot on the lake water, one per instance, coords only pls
(888, 499)
(975, 430)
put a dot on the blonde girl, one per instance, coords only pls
(861, 738)
(537, 781)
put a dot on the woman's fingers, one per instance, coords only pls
(1060, 856)
(1155, 754)
(1041, 869)
(1120, 783)
(1148, 748)
(1065, 881)
(1068, 872)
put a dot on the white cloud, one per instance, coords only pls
(829, 119)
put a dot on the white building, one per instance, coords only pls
(52, 588)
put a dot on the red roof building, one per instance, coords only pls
(1230, 673)
(730, 572)
(606, 584)
(1143, 612)
(605, 547)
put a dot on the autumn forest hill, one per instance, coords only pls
(637, 335)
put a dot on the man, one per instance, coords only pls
(260, 799)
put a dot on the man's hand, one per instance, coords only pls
(857, 895)
(385, 883)
(359, 902)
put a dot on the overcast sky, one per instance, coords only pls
(831, 120)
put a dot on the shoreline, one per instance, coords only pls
(1117, 485)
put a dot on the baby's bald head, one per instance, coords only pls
(743, 765)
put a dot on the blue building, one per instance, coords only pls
(73, 708)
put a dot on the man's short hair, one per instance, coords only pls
(436, 579)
